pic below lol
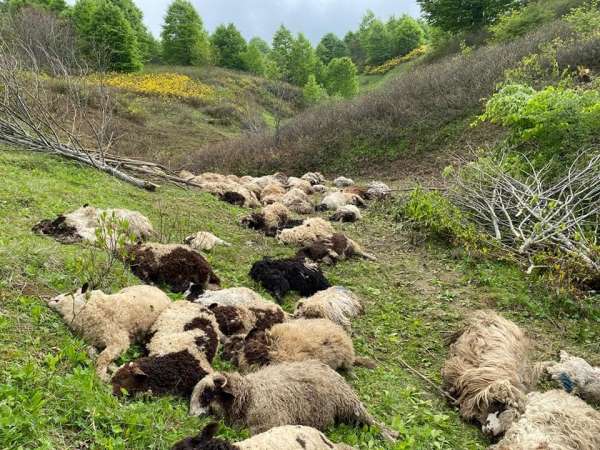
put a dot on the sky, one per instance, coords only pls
(262, 17)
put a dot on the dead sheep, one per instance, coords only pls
(552, 420)
(289, 437)
(346, 213)
(184, 342)
(488, 367)
(272, 219)
(319, 188)
(338, 247)
(111, 323)
(334, 200)
(300, 340)
(186, 175)
(83, 223)
(337, 304)
(239, 310)
(312, 230)
(228, 191)
(343, 182)
(576, 376)
(272, 189)
(314, 178)
(299, 183)
(179, 267)
(204, 241)
(376, 190)
(297, 201)
(305, 393)
(280, 276)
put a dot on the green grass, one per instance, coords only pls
(50, 397)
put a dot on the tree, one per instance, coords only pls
(184, 39)
(342, 77)
(303, 61)
(57, 6)
(281, 51)
(146, 42)
(313, 92)
(229, 45)
(378, 43)
(254, 59)
(406, 35)
(260, 45)
(331, 47)
(112, 39)
(465, 15)
(356, 51)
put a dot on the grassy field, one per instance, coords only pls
(416, 295)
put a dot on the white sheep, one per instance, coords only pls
(552, 420)
(335, 200)
(297, 201)
(346, 213)
(205, 241)
(378, 190)
(576, 376)
(111, 322)
(337, 304)
(311, 231)
(343, 182)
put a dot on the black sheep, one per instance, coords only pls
(279, 276)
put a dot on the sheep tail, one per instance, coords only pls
(367, 363)
(368, 256)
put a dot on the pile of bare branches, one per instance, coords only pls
(530, 214)
(49, 105)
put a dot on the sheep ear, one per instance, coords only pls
(136, 370)
(213, 306)
(84, 288)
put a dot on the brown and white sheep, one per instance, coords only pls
(576, 376)
(312, 230)
(111, 323)
(336, 248)
(337, 304)
(314, 178)
(305, 393)
(183, 344)
(271, 219)
(179, 267)
(290, 437)
(553, 420)
(83, 223)
(488, 367)
(300, 340)
(346, 213)
(204, 241)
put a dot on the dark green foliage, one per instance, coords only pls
(148, 46)
(253, 58)
(281, 52)
(112, 40)
(58, 6)
(331, 47)
(303, 61)
(228, 45)
(260, 44)
(406, 35)
(355, 49)
(184, 39)
(377, 42)
(342, 77)
(465, 15)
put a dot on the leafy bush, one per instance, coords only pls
(556, 119)
(313, 91)
(520, 21)
(586, 19)
(395, 62)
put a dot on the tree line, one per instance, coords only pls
(112, 32)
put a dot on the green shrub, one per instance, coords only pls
(313, 92)
(520, 21)
(586, 19)
(556, 120)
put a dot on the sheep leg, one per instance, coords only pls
(362, 416)
(118, 345)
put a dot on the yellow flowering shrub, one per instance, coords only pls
(161, 84)
(395, 62)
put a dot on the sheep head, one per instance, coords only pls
(130, 378)
(216, 394)
(68, 305)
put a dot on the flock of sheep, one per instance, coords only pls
(288, 390)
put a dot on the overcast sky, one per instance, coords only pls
(262, 17)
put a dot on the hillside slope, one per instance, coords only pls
(415, 296)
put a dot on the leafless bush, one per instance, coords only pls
(528, 214)
(421, 100)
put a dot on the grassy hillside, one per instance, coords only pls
(389, 128)
(155, 121)
(415, 295)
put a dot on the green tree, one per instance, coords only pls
(331, 47)
(112, 39)
(356, 51)
(135, 16)
(303, 61)
(406, 34)
(260, 44)
(281, 51)
(184, 40)
(342, 77)
(378, 43)
(465, 15)
(254, 59)
(57, 6)
(228, 45)
(313, 92)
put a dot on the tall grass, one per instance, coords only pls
(385, 122)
